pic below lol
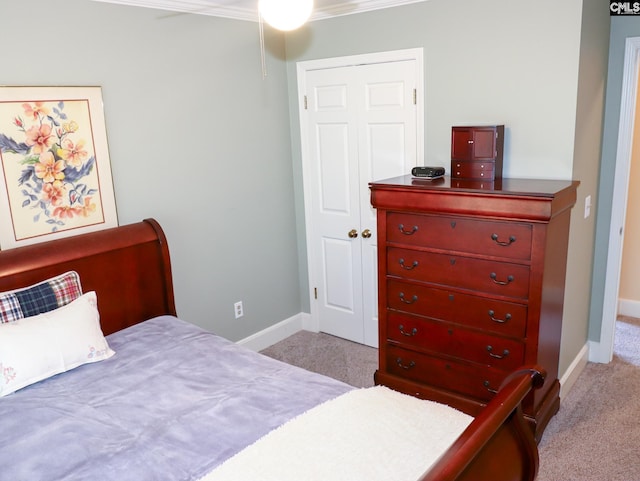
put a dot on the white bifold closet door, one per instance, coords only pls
(361, 126)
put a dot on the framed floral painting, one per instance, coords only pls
(56, 173)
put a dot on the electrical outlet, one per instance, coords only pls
(237, 308)
(587, 206)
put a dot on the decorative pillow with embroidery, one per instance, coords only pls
(38, 347)
(39, 298)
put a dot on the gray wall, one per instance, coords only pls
(621, 28)
(592, 79)
(538, 67)
(197, 140)
(188, 116)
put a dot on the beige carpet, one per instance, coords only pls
(594, 437)
(332, 356)
(596, 434)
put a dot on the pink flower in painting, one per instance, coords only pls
(73, 154)
(48, 169)
(66, 212)
(53, 192)
(36, 110)
(39, 138)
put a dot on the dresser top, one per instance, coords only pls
(525, 199)
(505, 186)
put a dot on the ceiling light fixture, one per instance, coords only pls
(285, 14)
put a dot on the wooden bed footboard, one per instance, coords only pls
(498, 445)
(128, 267)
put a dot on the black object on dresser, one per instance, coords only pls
(471, 279)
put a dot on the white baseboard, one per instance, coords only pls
(574, 370)
(628, 307)
(276, 333)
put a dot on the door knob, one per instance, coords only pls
(366, 233)
(353, 233)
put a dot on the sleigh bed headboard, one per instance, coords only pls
(128, 267)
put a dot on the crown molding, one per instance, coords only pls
(215, 9)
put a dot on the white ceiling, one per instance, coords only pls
(247, 9)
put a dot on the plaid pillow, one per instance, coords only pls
(42, 297)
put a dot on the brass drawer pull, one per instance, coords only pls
(494, 276)
(413, 230)
(413, 299)
(487, 385)
(512, 239)
(504, 354)
(413, 332)
(408, 268)
(411, 365)
(492, 313)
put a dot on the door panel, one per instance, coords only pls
(387, 129)
(334, 178)
(386, 148)
(382, 95)
(335, 202)
(342, 300)
(339, 287)
(331, 97)
(360, 126)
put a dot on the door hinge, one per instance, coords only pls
(415, 96)
(315, 292)
(305, 102)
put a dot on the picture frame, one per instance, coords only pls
(55, 170)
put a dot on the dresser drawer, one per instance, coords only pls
(492, 277)
(478, 381)
(473, 170)
(455, 341)
(493, 238)
(500, 317)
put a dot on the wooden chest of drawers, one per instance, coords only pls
(471, 287)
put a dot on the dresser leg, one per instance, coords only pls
(549, 406)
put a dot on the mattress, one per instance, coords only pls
(174, 402)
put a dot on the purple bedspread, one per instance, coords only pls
(173, 403)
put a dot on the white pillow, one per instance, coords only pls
(37, 347)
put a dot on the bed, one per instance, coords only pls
(167, 400)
